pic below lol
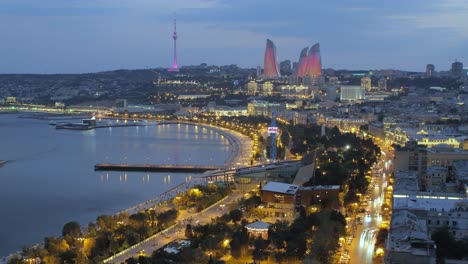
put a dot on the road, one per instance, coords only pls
(361, 249)
(176, 231)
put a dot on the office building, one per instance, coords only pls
(366, 83)
(267, 89)
(382, 84)
(457, 70)
(430, 70)
(252, 88)
(285, 67)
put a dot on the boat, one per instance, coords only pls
(52, 123)
(2, 162)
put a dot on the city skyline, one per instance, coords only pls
(88, 36)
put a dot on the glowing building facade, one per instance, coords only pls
(271, 67)
(301, 70)
(310, 62)
(314, 62)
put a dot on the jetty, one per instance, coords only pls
(153, 168)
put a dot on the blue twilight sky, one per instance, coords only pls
(75, 36)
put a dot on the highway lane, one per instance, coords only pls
(361, 250)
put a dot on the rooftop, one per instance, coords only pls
(406, 182)
(259, 225)
(321, 187)
(279, 187)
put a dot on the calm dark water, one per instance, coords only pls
(50, 178)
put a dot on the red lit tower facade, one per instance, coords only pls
(271, 66)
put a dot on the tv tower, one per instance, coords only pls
(175, 68)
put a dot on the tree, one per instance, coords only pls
(188, 232)
(260, 249)
(235, 215)
(71, 229)
(55, 246)
(445, 243)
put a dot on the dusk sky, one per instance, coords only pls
(76, 36)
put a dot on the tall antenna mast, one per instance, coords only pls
(174, 36)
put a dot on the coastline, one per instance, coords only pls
(241, 146)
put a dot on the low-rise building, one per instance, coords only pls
(279, 198)
(434, 180)
(316, 194)
(408, 241)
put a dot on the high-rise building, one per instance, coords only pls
(314, 61)
(285, 67)
(271, 67)
(382, 84)
(259, 71)
(267, 89)
(366, 83)
(430, 69)
(457, 70)
(302, 65)
(252, 88)
(295, 66)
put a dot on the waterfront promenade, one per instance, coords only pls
(240, 153)
(240, 156)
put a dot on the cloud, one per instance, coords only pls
(443, 15)
(89, 7)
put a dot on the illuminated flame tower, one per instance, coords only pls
(271, 67)
(175, 68)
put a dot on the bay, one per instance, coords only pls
(49, 178)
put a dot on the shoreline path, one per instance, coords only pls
(241, 150)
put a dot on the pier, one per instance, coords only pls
(153, 168)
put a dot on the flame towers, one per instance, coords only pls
(301, 70)
(314, 62)
(310, 63)
(271, 66)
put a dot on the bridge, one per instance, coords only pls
(153, 168)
